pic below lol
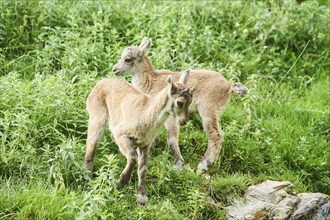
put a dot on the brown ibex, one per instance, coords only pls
(212, 95)
(135, 120)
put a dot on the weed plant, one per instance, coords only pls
(52, 53)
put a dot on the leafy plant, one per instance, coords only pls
(52, 53)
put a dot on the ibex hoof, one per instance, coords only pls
(178, 165)
(120, 184)
(202, 167)
(89, 174)
(141, 199)
(156, 142)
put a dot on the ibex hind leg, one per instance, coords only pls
(215, 139)
(98, 118)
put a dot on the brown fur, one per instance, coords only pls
(211, 96)
(134, 120)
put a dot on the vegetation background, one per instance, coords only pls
(53, 52)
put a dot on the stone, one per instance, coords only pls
(284, 208)
(323, 213)
(269, 200)
(308, 205)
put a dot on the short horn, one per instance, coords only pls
(192, 90)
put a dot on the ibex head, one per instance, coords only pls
(131, 58)
(181, 97)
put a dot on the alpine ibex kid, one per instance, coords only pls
(135, 120)
(212, 95)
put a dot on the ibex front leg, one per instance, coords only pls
(141, 196)
(173, 141)
(127, 149)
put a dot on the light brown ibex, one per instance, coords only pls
(135, 120)
(212, 95)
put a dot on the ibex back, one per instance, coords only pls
(134, 120)
(212, 95)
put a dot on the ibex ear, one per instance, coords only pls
(144, 47)
(170, 85)
(143, 42)
(184, 77)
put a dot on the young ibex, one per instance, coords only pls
(135, 120)
(211, 96)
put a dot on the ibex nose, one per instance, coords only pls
(115, 71)
(183, 122)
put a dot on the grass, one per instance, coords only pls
(52, 53)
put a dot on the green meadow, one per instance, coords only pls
(52, 53)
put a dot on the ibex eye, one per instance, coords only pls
(127, 60)
(179, 103)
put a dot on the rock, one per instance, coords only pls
(284, 208)
(323, 213)
(309, 203)
(268, 191)
(269, 200)
(258, 198)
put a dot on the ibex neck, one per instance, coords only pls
(143, 77)
(159, 108)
